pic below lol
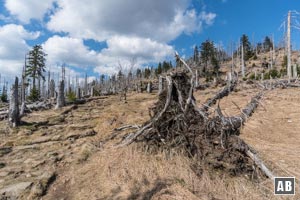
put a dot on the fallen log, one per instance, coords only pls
(220, 94)
(37, 106)
(235, 122)
(260, 164)
(177, 124)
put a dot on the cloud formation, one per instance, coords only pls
(29, 9)
(13, 47)
(131, 29)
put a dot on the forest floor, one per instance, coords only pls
(57, 155)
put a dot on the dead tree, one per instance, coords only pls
(220, 94)
(61, 95)
(23, 93)
(149, 87)
(14, 115)
(78, 93)
(178, 124)
(160, 84)
(52, 88)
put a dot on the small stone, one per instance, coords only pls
(15, 190)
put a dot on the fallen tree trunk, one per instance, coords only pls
(222, 93)
(177, 124)
(234, 123)
(36, 106)
(260, 164)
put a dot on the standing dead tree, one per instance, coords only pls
(178, 124)
(14, 115)
(61, 95)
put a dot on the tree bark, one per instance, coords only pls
(14, 115)
(52, 88)
(234, 123)
(149, 87)
(222, 93)
(160, 84)
(61, 95)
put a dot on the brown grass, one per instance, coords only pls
(130, 173)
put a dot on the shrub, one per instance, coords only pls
(34, 94)
(252, 76)
(4, 98)
(71, 96)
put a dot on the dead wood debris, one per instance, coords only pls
(178, 124)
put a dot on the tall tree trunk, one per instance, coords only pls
(61, 95)
(160, 84)
(289, 68)
(149, 87)
(52, 88)
(78, 93)
(14, 115)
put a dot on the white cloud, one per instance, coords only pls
(142, 48)
(13, 48)
(99, 20)
(131, 29)
(29, 9)
(73, 52)
(70, 51)
(208, 18)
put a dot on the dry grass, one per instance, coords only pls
(130, 173)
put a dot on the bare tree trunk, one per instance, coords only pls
(14, 115)
(160, 84)
(78, 93)
(61, 95)
(92, 91)
(85, 85)
(295, 74)
(197, 79)
(23, 97)
(289, 68)
(52, 88)
(149, 87)
(243, 62)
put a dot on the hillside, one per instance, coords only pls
(64, 156)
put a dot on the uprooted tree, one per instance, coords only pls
(178, 124)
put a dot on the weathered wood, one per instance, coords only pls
(220, 94)
(52, 88)
(14, 115)
(260, 164)
(78, 93)
(234, 123)
(149, 87)
(42, 105)
(61, 95)
(160, 84)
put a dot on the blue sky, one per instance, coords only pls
(97, 36)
